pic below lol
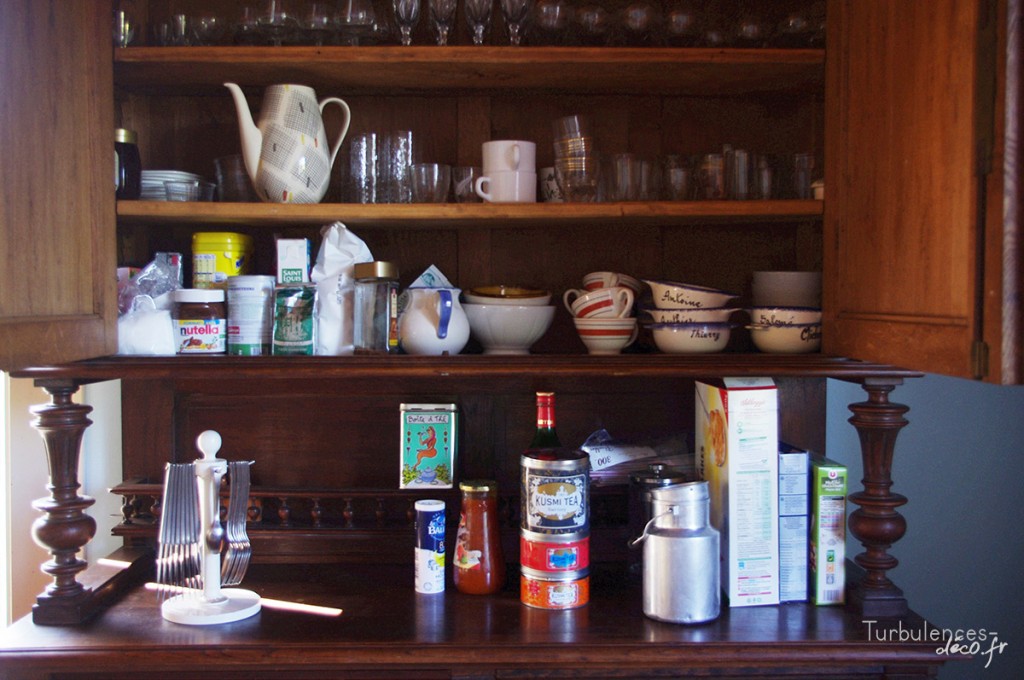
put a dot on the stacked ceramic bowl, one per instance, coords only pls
(603, 311)
(577, 164)
(786, 316)
(689, 319)
(508, 319)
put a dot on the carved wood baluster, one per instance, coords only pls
(128, 508)
(64, 528)
(348, 513)
(317, 513)
(876, 524)
(284, 512)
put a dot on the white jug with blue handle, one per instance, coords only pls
(433, 323)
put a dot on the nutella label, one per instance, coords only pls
(201, 336)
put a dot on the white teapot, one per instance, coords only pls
(286, 153)
(434, 322)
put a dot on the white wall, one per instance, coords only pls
(959, 462)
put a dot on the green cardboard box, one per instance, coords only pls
(828, 531)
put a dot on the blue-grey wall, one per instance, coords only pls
(960, 462)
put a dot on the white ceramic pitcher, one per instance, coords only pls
(286, 153)
(434, 322)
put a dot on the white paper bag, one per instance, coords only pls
(340, 251)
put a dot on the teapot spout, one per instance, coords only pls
(251, 137)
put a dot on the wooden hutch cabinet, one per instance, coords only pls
(896, 239)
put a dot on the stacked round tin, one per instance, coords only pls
(554, 536)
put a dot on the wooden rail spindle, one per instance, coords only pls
(876, 524)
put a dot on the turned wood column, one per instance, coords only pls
(876, 524)
(64, 527)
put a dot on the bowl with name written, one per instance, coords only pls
(781, 316)
(690, 315)
(675, 295)
(790, 338)
(691, 338)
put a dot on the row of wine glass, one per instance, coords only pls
(684, 23)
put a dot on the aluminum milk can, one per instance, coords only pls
(681, 572)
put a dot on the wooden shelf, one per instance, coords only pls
(616, 70)
(488, 372)
(465, 215)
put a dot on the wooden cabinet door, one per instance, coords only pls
(911, 114)
(57, 208)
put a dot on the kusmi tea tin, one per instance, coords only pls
(548, 594)
(553, 554)
(429, 551)
(428, 446)
(548, 576)
(555, 492)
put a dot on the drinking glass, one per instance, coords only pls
(677, 178)
(551, 19)
(207, 28)
(276, 22)
(365, 171)
(712, 176)
(478, 16)
(124, 29)
(442, 16)
(407, 15)
(579, 178)
(356, 21)
(430, 182)
(463, 179)
(318, 23)
(515, 13)
(398, 163)
(624, 178)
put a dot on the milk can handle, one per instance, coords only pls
(672, 510)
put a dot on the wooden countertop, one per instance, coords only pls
(386, 625)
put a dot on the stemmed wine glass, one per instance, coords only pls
(515, 13)
(276, 21)
(442, 15)
(318, 23)
(478, 16)
(357, 21)
(407, 15)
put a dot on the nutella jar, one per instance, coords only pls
(200, 321)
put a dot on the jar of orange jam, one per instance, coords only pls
(479, 564)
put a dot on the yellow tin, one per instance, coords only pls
(216, 255)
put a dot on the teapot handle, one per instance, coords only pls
(344, 126)
(444, 301)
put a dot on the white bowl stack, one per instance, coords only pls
(689, 319)
(508, 319)
(786, 316)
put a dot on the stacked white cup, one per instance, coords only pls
(509, 172)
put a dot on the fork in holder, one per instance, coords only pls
(192, 537)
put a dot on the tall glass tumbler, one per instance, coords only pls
(399, 162)
(366, 180)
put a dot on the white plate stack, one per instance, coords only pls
(153, 182)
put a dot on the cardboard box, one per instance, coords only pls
(737, 449)
(828, 531)
(428, 446)
(794, 525)
(293, 260)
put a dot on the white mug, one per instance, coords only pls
(509, 155)
(507, 187)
